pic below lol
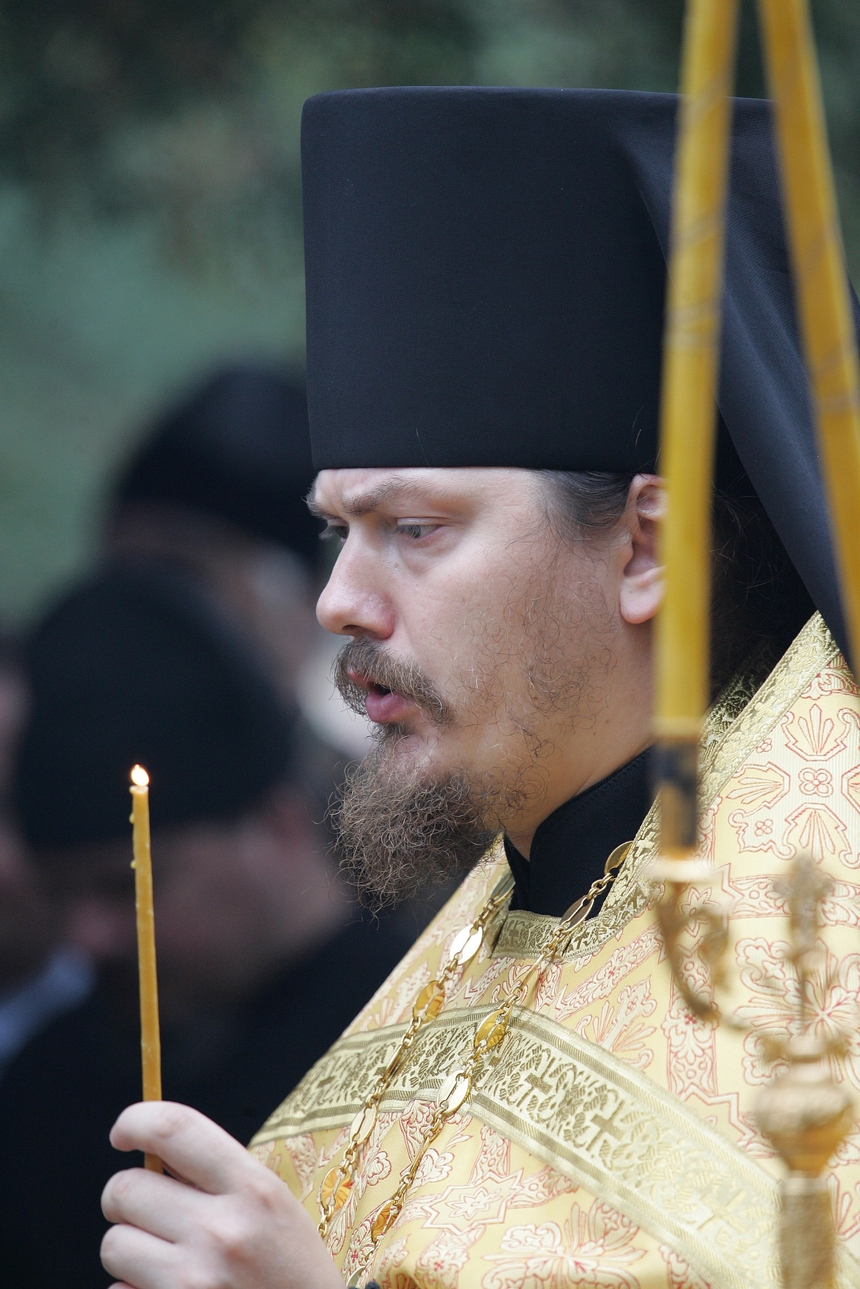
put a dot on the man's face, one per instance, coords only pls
(481, 641)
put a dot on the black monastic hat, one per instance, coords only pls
(485, 283)
(134, 667)
(237, 448)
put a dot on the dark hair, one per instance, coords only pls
(585, 503)
(756, 592)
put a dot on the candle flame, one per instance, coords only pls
(139, 777)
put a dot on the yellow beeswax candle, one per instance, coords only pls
(688, 411)
(819, 279)
(150, 1038)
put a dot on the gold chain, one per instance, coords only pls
(339, 1181)
(457, 1087)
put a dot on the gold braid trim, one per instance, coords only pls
(593, 1118)
(743, 714)
(589, 1115)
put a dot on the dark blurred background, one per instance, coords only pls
(150, 205)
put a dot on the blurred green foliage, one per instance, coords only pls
(150, 217)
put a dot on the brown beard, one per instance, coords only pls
(398, 833)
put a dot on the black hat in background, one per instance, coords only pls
(238, 449)
(134, 667)
(485, 281)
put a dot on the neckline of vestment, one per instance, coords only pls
(570, 846)
(743, 714)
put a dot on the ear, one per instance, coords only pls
(641, 590)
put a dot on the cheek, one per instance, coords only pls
(460, 608)
(527, 634)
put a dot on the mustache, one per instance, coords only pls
(370, 660)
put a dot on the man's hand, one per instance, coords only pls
(231, 1224)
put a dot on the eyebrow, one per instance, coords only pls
(364, 503)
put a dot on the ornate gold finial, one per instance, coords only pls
(805, 1113)
(691, 929)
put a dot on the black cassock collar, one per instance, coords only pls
(571, 847)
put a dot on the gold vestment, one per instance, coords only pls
(611, 1142)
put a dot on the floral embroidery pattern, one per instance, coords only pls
(620, 1029)
(592, 1248)
(691, 1050)
(620, 963)
(813, 736)
(820, 831)
(816, 782)
(760, 787)
(774, 1004)
(304, 1157)
(492, 1188)
(445, 1257)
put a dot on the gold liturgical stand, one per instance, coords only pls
(804, 1112)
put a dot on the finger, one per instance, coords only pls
(189, 1143)
(139, 1260)
(153, 1202)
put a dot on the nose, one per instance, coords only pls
(355, 602)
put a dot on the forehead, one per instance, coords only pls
(353, 493)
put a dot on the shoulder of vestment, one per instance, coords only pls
(611, 1139)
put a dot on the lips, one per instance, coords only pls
(383, 706)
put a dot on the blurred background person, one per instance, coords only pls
(217, 487)
(39, 976)
(262, 958)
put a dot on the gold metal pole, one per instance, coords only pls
(820, 281)
(688, 413)
(804, 1111)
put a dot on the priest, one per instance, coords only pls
(527, 1099)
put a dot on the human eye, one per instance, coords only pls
(415, 531)
(334, 532)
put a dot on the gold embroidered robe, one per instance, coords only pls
(610, 1140)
